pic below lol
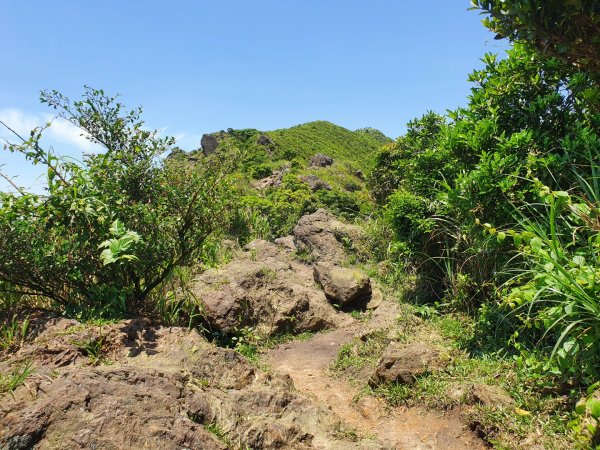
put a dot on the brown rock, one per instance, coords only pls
(264, 287)
(404, 363)
(315, 183)
(491, 396)
(321, 234)
(321, 160)
(287, 242)
(273, 180)
(347, 288)
(163, 386)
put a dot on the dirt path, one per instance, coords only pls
(307, 363)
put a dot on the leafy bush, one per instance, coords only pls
(113, 227)
(567, 30)
(340, 203)
(557, 292)
(409, 215)
(260, 171)
(527, 116)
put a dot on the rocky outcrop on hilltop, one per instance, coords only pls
(210, 142)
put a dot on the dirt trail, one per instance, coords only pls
(307, 363)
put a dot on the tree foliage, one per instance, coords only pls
(112, 227)
(567, 29)
(528, 117)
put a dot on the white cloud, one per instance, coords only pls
(19, 121)
(60, 132)
(188, 141)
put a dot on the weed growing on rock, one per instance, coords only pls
(13, 333)
(10, 381)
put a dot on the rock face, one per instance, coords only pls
(264, 287)
(321, 160)
(265, 140)
(162, 389)
(347, 288)
(321, 234)
(315, 183)
(210, 142)
(403, 363)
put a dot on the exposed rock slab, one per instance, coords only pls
(264, 287)
(321, 234)
(162, 389)
(404, 363)
(286, 242)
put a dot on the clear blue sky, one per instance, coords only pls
(201, 66)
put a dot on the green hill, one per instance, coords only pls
(324, 137)
(277, 184)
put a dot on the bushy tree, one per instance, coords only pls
(112, 227)
(527, 117)
(567, 29)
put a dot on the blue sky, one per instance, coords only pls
(201, 66)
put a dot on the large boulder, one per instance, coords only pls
(404, 363)
(264, 287)
(347, 288)
(210, 142)
(321, 234)
(321, 160)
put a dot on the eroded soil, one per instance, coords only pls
(308, 362)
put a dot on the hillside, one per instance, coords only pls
(278, 181)
(303, 141)
(324, 137)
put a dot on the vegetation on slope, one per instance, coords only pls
(273, 209)
(494, 207)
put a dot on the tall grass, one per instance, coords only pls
(557, 292)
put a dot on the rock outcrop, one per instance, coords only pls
(315, 183)
(264, 287)
(265, 141)
(321, 234)
(273, 180)
(320, 160)
(163, 388)
(210, 142)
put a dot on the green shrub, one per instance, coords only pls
(409, 215)
(557, 292)
(260, 171)
(340, 203)
(113, 227)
